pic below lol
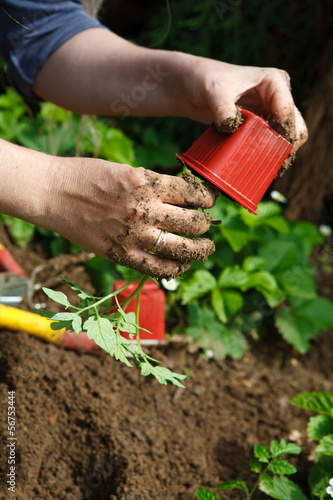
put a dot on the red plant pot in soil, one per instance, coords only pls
(242, 164)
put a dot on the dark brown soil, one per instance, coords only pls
(90, 428)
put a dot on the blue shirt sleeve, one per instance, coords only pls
(30, 31)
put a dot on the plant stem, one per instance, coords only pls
(107, 297)
(255, 487)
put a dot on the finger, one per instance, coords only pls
(301, 130)
(186, 191)
(153, 265)
(221, 101)
(179, 248)
(182, 220)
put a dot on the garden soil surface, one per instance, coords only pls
(88, 427)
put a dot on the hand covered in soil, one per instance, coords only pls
(118, 211)
(212, 89)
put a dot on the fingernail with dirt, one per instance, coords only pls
(230, 124)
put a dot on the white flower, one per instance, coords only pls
(329, 490)
(325, 230)
(277, 196)
(170, 285)
(209, 353)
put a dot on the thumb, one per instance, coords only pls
(227, 117)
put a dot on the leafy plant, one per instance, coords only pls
(260, 275)
(93, 316)
(271, 472)
(320, 428)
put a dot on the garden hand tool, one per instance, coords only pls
(15, 319)
(13, 283)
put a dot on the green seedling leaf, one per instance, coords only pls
(164, 375)
(284, 448)
(262, 453)
(255, 465)
(100, 330)
(325, 446)
(233, 484)
(280, 488)
(319, 426)
(59, 325)
(319, 402)
(127, 323)
(281, 467)
(58, 297)
(121, 349)
(203, 494)
(84, 294)
(74, 319)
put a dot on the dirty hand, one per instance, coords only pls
(212, 89)
(118, 212)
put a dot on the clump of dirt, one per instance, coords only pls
(286, 128)
(230, 125)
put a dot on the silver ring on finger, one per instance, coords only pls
(160, 241)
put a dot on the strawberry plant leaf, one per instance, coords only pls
(318, 402)
(281, 467)
(226, 303)
(233, 277)
(319, 426)
(295, 329)
(325, 446)
(198, 285)
(253, 263)
(297, 281)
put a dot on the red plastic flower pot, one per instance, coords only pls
(152, 310)
(242, 164)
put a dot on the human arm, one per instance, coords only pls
(98, 72)
(114, 210)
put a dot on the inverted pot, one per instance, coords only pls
(242, 164)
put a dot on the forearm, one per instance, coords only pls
(98, 72)
(24, 186)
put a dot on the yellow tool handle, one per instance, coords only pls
(17, 320)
